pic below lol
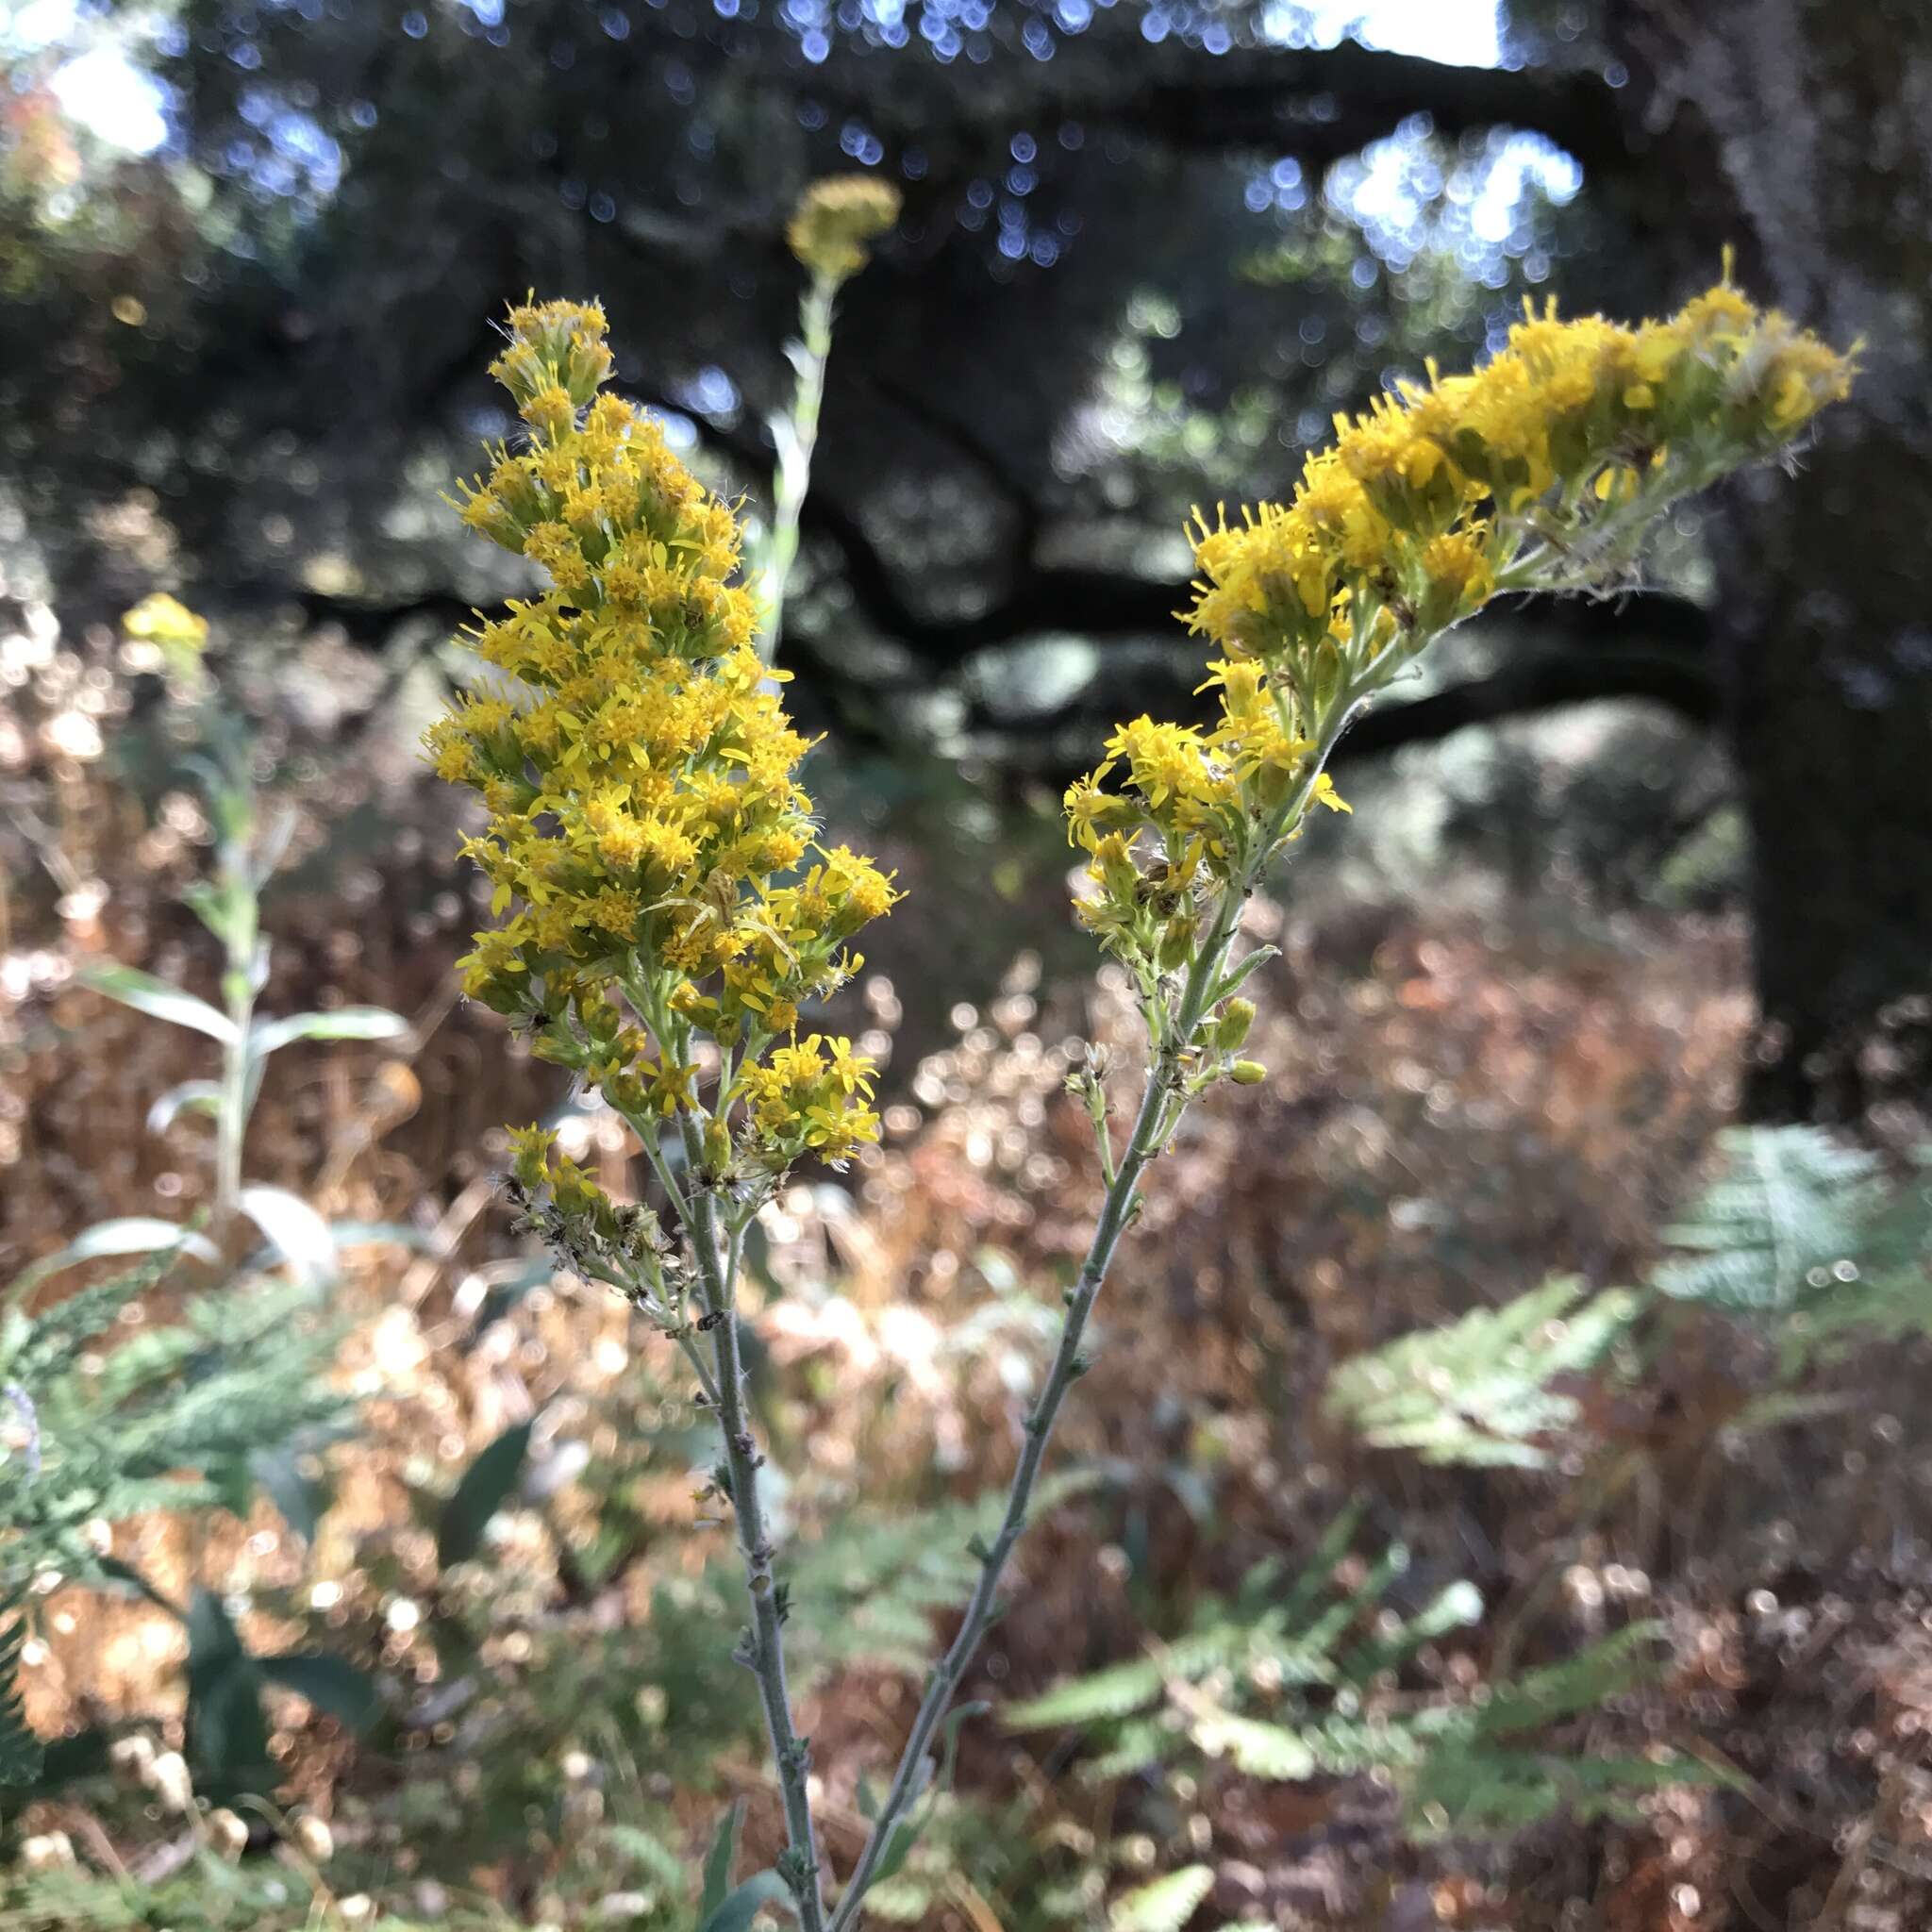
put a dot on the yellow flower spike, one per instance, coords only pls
(1400, 530)
(640, 775)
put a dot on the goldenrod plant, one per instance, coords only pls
(249, 846)
(670, 920)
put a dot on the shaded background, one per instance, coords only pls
(1619, 872)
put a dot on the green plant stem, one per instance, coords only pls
(764, 1651)
(1152, 1126)
(232, 1117)
(798, 438)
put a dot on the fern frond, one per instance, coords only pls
(1255, 1747)
(1166, 1904)
(1470, 1789)
(20, 1750)
(1479, 1392)
(1584, 1682)
(1115, 1692)
(1790, 1201)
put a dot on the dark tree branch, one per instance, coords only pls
(1316, 104)
(1070, 734)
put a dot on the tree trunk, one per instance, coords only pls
(1803, 133)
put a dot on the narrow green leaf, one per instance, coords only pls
(905, 1835)
(204, 1095)
(156, 997)
(296, 1232)
(485, 1486)
(344, 1022)
(719, 1860)
(1237, 975)
(734, 1913)
(135, 1233)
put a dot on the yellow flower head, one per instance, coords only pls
(836, 219)
(158, 619)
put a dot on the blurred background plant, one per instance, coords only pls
(1617, 874)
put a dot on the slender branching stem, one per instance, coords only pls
(1164, 1077)
(1163, 1099)
(798, 435)
(763, 1651)
(231, 1115)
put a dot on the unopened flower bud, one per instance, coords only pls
(167, 1777)
(1177, 942)
(1247, 1072)
(314, 1839)
(227, 1833)
(52, 1851)
(1235, 1018)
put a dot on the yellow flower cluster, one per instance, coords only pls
(1206, 796)
(646, 828)
(1421, 502)
(1539, 471)
(835, 219)
(813, 1094)
(159, 619)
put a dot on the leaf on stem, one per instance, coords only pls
(157, 998)
(344, 1022)
(719, 1860)
(485, 1486)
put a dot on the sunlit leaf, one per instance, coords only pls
(147, 995)
(204, 1095)
(296, 1232)
(344, 1022)
(137, 1234)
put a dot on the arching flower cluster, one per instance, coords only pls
(647, 838)
(1424, 501)
(1542, 470)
